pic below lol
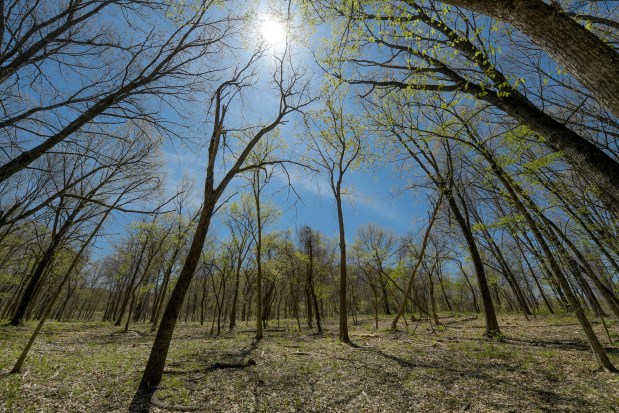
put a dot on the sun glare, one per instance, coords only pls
(273, 31)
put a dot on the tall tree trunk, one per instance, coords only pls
(492, 324)
(258, 257)
(343, 327)
(588, 58)
(159, 352)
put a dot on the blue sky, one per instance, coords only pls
(376, 194)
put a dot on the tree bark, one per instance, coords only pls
(159, 352)
(343, 327)
(492, 324)
(593, 62)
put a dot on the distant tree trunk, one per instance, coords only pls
(35, 279)
(295, 307)
(220, 297)
(312, 299)
(130, 286)
(162, 294)
(507, 272)
(131, 303)
(308, 307)
(22, 358)
(534, 276)
(259, 334)
(440, 282)
(375, 304)
(235, 293)
(203, 301)
(383, 287)
(62, 308)
(473, 293)
(422, 252)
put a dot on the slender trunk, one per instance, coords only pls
(235, 293)
(130, 286)
(411, 281)
(440, 282)
(534, 276)
(308, 307)
(259, 333)
(433, 299)
(468, 282)
(37, 276)
(343, 328)
(492, 324)
(159, 352)
(131, 304)
(508, 274)
(375, 293)
(383, 287)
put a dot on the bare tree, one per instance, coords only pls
(335, 141)
(109, 69)
(291, 89)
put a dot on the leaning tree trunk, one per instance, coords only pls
(517, 195)
(159, 352)
(588, 58)
(492, 324)
(411, 281)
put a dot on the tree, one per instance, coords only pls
(591, 60)
(128, 169)
(309, 241)
(240, 220)
(375, 248)
(292, 97)
(335, 143)
(403, 128)
(418, 49)
(420, 257)
(108, 69)
(263, 157)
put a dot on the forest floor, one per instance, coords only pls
(542, 365)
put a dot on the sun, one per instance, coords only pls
(273, 31)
